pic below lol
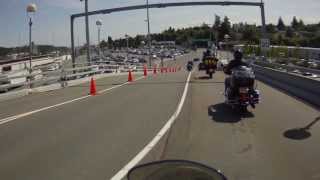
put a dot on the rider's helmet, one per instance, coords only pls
(237, 54)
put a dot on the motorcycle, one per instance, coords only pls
(210, 66)
(174, 170)
(241, 91)
(190, 66)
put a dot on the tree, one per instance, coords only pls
(217, 21)
(225, 28)
(280, 39)
(110, 42)
(250, 34)
(301, 24)
(295, 23)
(271, 28)
(103, 44)
(290, 32)
(281, 26)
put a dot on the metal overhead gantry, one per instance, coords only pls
(165, 5)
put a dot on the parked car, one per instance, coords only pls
(307, 74)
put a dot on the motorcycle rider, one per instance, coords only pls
(236, 62)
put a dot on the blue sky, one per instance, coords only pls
(52, 20)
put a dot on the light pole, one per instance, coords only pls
(99, 24)
(87, 30)
(227, 37)
(127, 37)
(31, 9)
(149, 37)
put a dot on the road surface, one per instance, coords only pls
(94, 137)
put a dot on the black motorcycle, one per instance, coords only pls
(241, 91)
(190, 66)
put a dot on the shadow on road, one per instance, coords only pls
(300, 133)
(223, 113)
(203, 77)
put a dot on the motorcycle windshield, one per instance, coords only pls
(174, 170)
(243, 72)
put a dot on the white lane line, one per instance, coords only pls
(15, 117)
(123, 172)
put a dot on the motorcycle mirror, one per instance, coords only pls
(174, 170)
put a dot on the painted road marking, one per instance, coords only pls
(15, 117)
(123, 172)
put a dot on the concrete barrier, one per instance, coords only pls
(301, 87)
(55, 86)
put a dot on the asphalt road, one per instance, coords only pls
(94, 137)
(255, 146)
(88, 139)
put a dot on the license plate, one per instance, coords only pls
(243, 90)
(211, 70)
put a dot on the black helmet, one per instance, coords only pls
(237, 55)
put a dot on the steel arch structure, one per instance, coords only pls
(165, 5)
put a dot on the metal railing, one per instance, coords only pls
(62, 75)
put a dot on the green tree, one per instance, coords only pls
(217, 21)
(250, 34)
(110, 42)
(271, 28)
(225, 28)
(103, 44)
(290, 32)
(295, 23)
(281, 26)
(301, 24)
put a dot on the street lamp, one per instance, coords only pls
(87, 29)
(226, 38)
(99, 24)
(31, 9)
(149, 38)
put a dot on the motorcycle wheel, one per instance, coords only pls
(210, 74)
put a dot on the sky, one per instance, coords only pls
(52, 19)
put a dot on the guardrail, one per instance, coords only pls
(61, 75)
(82, 70)
(301, 87)
(286, 67)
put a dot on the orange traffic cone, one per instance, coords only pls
(130, 76)
(155, 70)
(93, 88)
(145, 73)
